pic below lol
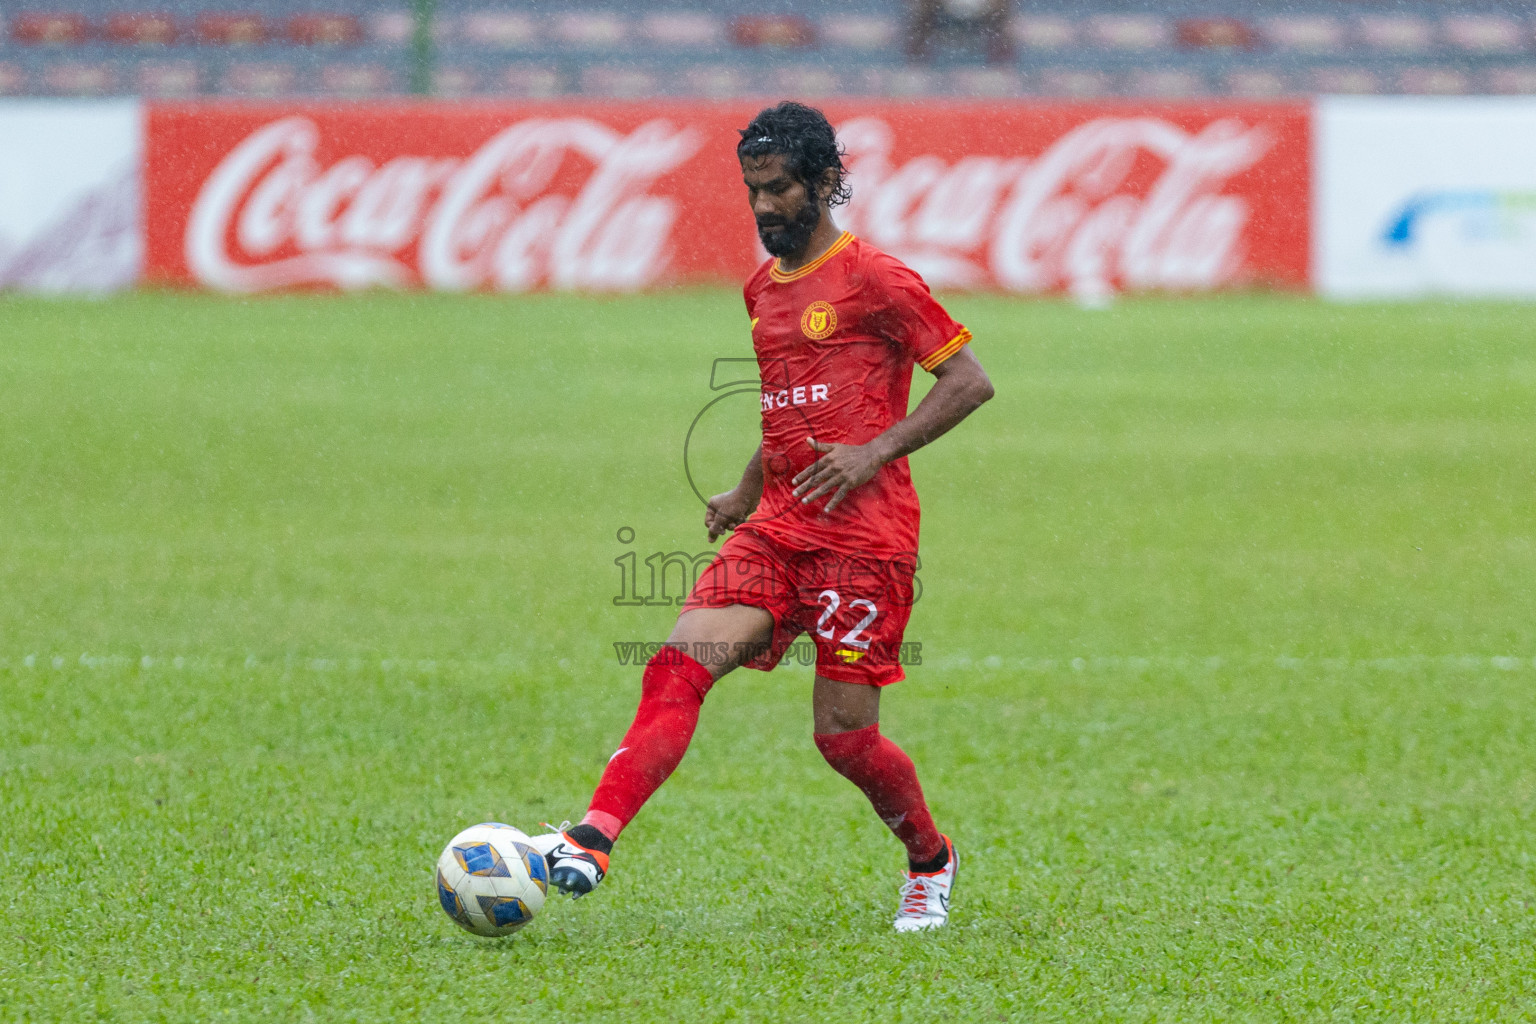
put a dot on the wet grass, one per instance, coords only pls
(1225, 696)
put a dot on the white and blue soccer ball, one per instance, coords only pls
(491, 880)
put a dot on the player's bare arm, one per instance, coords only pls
(727, 511)
(960, 388)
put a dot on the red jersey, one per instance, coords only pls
(835, 343)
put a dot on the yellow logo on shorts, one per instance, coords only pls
(850, 656)
(818, 320)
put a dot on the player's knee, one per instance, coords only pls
(840, 707)
(844, 719)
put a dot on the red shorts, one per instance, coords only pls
(854, 607)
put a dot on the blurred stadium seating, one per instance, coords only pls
(729, 48)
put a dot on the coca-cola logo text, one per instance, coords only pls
(1064, 218)
(270, 216)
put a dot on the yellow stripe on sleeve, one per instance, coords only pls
(945, 350)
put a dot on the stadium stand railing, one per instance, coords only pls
(351, 49)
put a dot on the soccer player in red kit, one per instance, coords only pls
(824, 522)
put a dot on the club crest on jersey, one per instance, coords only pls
(818, 320)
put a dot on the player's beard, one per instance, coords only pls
(786, 238)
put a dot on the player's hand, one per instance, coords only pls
(839, 469)
(725, 512)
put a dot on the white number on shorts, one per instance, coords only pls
(851, 638)
(833, 601)
(822, 628)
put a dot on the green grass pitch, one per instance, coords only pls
(1227, 628)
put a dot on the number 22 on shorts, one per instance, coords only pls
(832, 601)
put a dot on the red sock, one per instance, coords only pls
(671, 693)
(887, 777)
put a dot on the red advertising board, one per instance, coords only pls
(1089, 198)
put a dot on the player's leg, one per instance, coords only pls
(856, 609)
(847, 717)
(672, 690)
(847, 720)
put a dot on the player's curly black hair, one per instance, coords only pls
(804, 137)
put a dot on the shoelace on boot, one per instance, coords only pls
(914, 897)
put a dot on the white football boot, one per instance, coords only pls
(573, 869)
(925, 897)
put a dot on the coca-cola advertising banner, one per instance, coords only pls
(619, 196)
